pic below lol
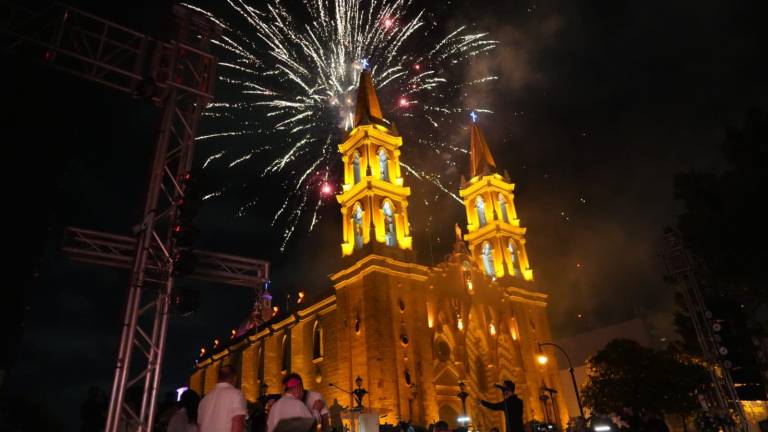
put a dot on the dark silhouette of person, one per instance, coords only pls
(93, 411)
(259, 415)
(336, 409)
(442, 426)
(512, 406)
(654, 423)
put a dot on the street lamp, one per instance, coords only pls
(463, 396)
(359, 392)
(542, 359)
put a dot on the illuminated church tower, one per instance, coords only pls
(495, 237)
(381, 292)
(415, 335)
(374, 202)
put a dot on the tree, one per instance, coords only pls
(721, 218)
(625, 375)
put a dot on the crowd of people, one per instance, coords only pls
(224, 409)
(296, 409)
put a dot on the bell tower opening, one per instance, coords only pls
(374, 201)
(494, 234)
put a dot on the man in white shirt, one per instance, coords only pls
(291, 407)
(223, 409)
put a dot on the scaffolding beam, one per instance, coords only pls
(178, 76)
(117, 251)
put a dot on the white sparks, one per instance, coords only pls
(292, 86)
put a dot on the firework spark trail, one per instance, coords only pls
(293, 78)
(432, 179)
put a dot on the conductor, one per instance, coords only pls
(511, 405)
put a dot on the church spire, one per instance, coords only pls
(480, 155)
(368, 110)
(496, 239)
(374, 201)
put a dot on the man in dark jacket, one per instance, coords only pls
(511, 405)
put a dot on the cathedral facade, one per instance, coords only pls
(413, 333)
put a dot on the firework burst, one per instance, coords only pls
(291, 77)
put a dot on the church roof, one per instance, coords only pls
(368, 110)
(480, 155)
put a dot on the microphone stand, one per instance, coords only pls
(330, 384)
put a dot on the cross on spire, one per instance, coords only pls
(364, 63)
(473, 115)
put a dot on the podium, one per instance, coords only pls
(363, 420)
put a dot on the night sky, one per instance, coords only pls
(598, 106)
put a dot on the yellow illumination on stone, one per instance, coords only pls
(755, 411)
(410, 331)
(372, 179)
(492, 221)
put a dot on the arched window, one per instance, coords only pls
(481, 372)
(357, 225)
(503, 205)
(286, 360)
(480, 207)
(317, 341)
(356, 167)
(513, 258)
(383, 164)
(389, 224)
(487, 254)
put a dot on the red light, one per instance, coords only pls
(326, 189)
(417, 66)
(403, 102)
(388, 23)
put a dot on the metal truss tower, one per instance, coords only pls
(178, 76)
(681, 267)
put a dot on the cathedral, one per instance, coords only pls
(413, 336)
